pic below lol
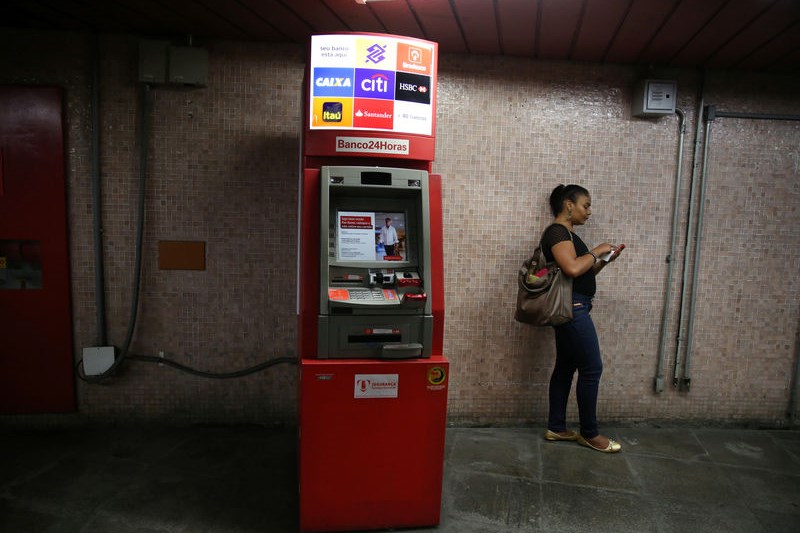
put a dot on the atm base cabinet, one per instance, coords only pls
(371, 443)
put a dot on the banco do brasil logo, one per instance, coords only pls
(376, 54)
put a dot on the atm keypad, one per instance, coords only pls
(371, 294)
(363, 295)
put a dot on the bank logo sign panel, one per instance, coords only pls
(371, 82)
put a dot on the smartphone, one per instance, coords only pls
(610, 254)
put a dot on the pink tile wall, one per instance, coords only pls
(223, 170)
(510, 130)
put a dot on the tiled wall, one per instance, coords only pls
(510, 130)
(223, 167)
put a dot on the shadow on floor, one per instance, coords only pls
(243, 479)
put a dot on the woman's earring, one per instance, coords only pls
(569, 214)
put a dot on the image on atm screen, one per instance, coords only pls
(390, 236)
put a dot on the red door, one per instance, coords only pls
(36, 360)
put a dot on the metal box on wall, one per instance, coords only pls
(654, 98)
(161, 63)
(153, 61)
(188, 65)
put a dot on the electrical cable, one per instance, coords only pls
(143, 160)
(212, 375)
(189, 370)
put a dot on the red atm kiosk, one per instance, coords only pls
(372, 376)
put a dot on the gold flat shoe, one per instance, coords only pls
(553, 436)
(613, 447)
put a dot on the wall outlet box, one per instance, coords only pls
(153, 61)
(654, 98)
(97, 360)
(188, 65)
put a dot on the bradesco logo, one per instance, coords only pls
(413, 88)
(374, 84)
(414, 58)
(333, 81)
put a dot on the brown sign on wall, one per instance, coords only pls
(181, 255)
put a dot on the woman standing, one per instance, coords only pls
(577, 347)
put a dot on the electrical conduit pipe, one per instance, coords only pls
(659, 379)
(686, 381)
(684, 275)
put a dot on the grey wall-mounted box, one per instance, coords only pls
(654, 98)
(153, 61)
(188, 65)
(161, 63)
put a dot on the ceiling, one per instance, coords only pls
(716, 34)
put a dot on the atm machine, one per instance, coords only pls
(375, 256)
(372, 384)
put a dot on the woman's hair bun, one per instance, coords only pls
(557, 198)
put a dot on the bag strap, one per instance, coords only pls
(540, 251)
(550, 226)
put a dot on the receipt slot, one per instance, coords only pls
(375, 263)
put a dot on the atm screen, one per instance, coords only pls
(369, 236)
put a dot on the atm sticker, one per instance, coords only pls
(341, 295)
(376, 385)
(436, 375)
(437, 379)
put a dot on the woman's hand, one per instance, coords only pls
(602, 249)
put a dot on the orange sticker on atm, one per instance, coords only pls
(341, 295)
(436, 375)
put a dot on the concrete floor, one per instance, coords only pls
(242, 479)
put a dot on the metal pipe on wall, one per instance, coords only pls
(659, 379)
(755, 116)
(686, 255)
(686, 382)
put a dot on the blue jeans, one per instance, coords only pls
(577, 348)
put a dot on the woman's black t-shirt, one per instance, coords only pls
(554, 234)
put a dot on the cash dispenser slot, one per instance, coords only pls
(374, 336)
